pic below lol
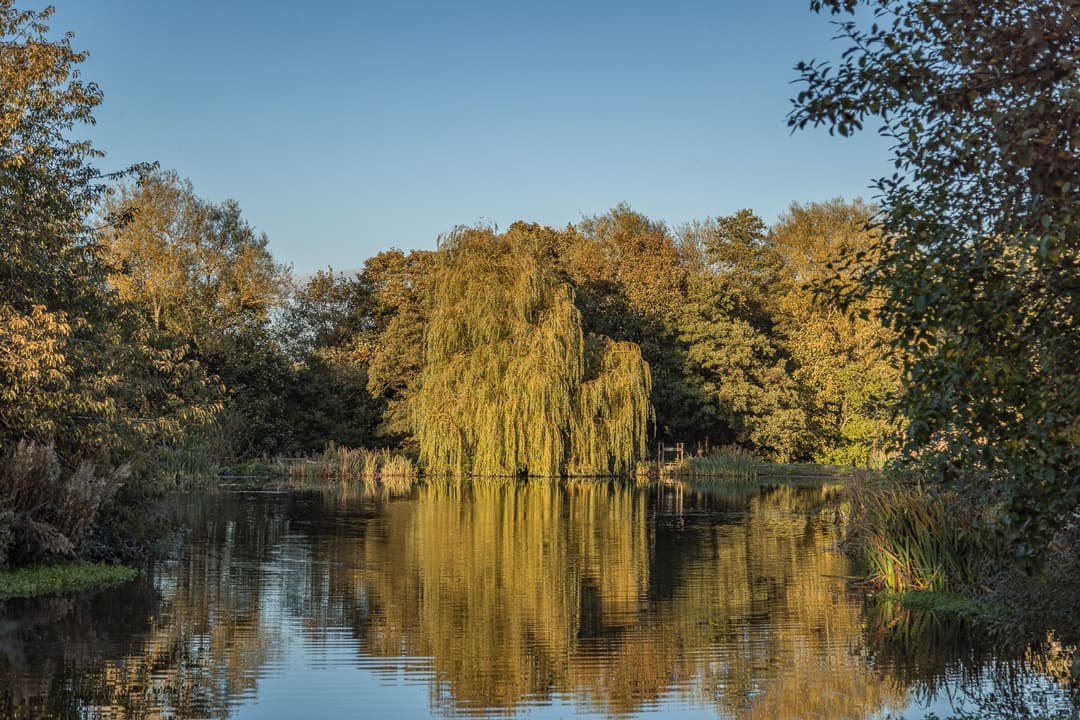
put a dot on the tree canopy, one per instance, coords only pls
(198, 267)
(78, 368)
(977, 268)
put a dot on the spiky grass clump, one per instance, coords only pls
(340, 461)
(396, 466)
(510, 383)
(914, 540)
(723, 466)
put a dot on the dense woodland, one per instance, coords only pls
(237, 359)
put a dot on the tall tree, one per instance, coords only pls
(979, 266)
(197, 266)
(81, 376)
(205, 277)
(733, 356)
(631, 279)
(52, 287)
(329, 333)
(843, 363)
(510, 383)
(77, 368)
(400, 285)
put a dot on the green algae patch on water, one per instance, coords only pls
(944, 603)
(61, 579)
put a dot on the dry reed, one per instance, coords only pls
(46, 513)
(381, 466)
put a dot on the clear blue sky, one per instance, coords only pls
(345, 128)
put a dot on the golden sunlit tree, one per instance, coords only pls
(511, 385)
(76, 368)
(845, 370)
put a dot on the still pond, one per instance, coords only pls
(499, 599)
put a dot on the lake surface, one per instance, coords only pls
(494, 599)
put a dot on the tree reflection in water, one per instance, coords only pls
(492, 596)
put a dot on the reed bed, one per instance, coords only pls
(188, 461)
(724, 466)
(380, 466)
(912, 539)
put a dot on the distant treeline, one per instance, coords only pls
(196, 342)
(743, 348)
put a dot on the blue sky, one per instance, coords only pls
(345, 128)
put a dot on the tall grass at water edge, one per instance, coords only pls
(722, 466)
(909, 537)
(173, 465)
(912, 539)
(390, 469)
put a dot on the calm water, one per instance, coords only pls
(525, 600)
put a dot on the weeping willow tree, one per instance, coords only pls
(611, 409)
(510, 384)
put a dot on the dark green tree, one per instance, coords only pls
(400, 286)
(978, 267)
(328, 331)
(733, 355)
(750, 398)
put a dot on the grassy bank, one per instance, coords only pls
(810, 471)
(61, 579)
(253, 469)
(736, 466)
